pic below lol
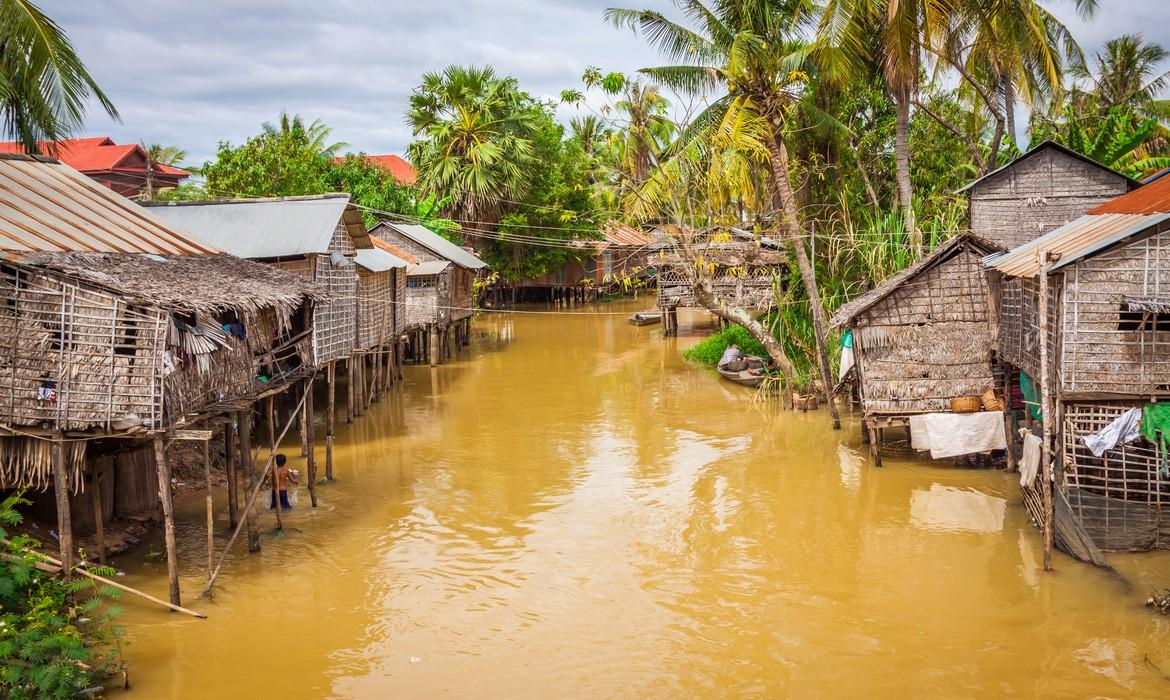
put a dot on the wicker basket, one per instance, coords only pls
(968, 403)
(992, 402)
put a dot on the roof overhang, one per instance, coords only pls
(1076, 240)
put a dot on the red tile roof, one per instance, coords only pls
(397, 166)
(99, 154)
(1153, 198)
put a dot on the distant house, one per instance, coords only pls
(125, 169)
(397, 166)
(1046, 187)
(438, 285)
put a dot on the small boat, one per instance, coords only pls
(741, 371)
(645, 318)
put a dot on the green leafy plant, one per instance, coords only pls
(57, 639)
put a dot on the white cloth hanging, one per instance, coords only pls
(957, 434)
(1125, 428)
(1030, 457)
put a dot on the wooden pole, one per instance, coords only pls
(349, 390)
(253, 491)
(210, 513)
(164, 495)
(400, 357)
(304, 442)
(98, 516)
(250, 483)
(229, 442)
(1007, 416)
(1046, 417)
(433, 344)
(272, 444)
(330, 416)
(64, 516)
(312, 456)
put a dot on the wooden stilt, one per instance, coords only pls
(1046, 465)
(210, 506)
(64, 515)
(250, 514)
(312, 456)
(349, 390)
(875, 445)
(433, 343)
(1007, 418)
(300, 431)
(400, 354)
(272, 447)
(164, 495)
(229, 446)
(98, 516)
(330, 416)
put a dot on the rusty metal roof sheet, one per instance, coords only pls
(270, 227)
(617, 233)
(48, 207)
(1073, 241)
(1152, 198)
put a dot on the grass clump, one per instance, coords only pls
(710, 349)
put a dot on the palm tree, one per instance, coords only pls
(647, 129)
(165, 155)
(751, 51)
(590, 132)
(44, 86)
(315, 135)
(1127, 75)
(474, 143)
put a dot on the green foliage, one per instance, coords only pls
(710, 349)
(286, 161)
(50, 646)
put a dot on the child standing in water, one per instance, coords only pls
(281, 480)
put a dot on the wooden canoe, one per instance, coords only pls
(745, 376)
(645, 318)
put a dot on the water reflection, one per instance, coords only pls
(948, 508)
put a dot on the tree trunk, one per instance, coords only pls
(1009, 108)
(705, 295)
(792, 230)
(902, 167)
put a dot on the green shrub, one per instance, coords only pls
(710, 349)
(55, 637)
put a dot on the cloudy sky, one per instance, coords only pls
(195, 73)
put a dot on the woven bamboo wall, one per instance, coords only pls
(375, 312)
(100, 354)
(928, 341)
(335, 318)
(422, 305)
(1098, 355)
(341, 242)
(199, 383)
(750, 291)
(399, 307)
(1018, 341)
(1119, 496)
(1037, 195)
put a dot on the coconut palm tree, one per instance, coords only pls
(1128, 74)
(750, 53)
(44, 86)
(315, 135)
(646, 130)
(474, 134)
(165, 155)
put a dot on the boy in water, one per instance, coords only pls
(282, 478)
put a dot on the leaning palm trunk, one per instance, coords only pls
(705, 295)
(792, 231)
(902, 166)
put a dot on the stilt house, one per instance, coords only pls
(1108, 331)
(117, 326)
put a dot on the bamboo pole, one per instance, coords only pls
(1046, 417)
(229, 438)
(272, 454)
(253, 492)
(312, 455)
(61, 491)
(99, 526)
(210, 512)
(349, 390)
(164, 495)
(250, 482)
(330, 417)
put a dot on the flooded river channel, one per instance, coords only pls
(570, 509)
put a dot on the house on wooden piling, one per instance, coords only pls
(117, 327)
(923, 337)
(740, 269)
(439, 287)
(1108, 328)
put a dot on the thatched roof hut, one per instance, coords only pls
(741, 266)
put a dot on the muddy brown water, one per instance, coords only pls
(571, 510)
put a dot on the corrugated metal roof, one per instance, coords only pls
(1039, 148)
(377, 260)
(1153, 198)
(617, 233)
(265, 228)
(438, 245)
(1073, 241)
(430, 267)
(46, 206)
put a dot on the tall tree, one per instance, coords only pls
(44, 86)
(751, 51)
(475, 133)
(1127, 74)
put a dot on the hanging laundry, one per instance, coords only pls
(236, 329)
(1125, 428)
(1031, 396)
(1156, 429)
(168, 363)
(1030, 457)
(956, 434)
(846, 355)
